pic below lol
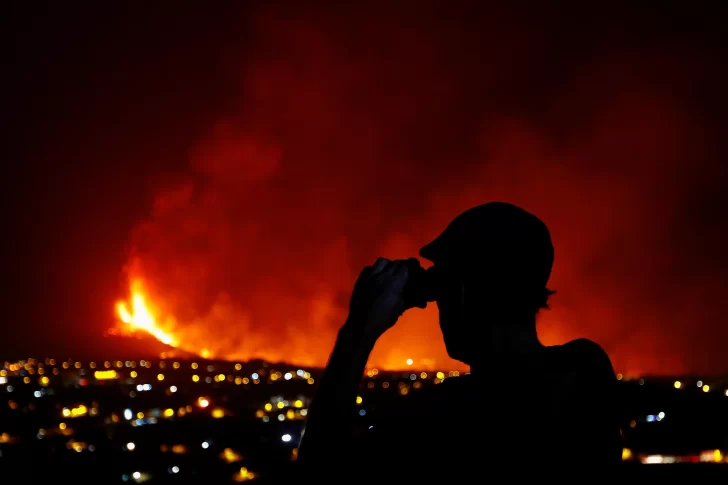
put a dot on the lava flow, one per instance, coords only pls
(140, 317)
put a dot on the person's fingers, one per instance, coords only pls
(391, 267)
(394, 275)
(379, 266)
(400, 274)
(363, 278)
(365, 272)
(414, 266)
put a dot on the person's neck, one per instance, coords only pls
(509, 339)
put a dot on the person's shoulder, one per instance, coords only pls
(448, 390)
(584, 356)
(422, 413)
(457, 387)
(583, 361)
(429, 402)
(583, 345)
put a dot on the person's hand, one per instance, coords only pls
(376, 302)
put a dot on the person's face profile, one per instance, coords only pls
(452, 317)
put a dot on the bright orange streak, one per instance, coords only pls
(141, 318)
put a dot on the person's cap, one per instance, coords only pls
(497, 238)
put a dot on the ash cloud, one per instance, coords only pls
(356, 135)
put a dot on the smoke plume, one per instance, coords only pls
(357, 134)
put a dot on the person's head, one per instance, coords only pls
(492, 264)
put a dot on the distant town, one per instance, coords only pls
(176, 421)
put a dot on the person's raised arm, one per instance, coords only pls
(376, 304)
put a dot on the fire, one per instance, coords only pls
(145, 311)
(140, 317)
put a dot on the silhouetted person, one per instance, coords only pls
(524, 409)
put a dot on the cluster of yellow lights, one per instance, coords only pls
(244, 475)
(33, 366)
(295, 411)
(700, 384)
(75, 412)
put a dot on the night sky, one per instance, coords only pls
(245, 162)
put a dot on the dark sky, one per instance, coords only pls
(244, 163)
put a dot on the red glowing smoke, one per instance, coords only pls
(358, 135)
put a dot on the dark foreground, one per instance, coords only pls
(204, 422)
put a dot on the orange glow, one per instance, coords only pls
(143, 313)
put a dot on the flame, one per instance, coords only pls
(144, 311)
(140, 317)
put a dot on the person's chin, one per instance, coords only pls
(457, 352)
(464, 360)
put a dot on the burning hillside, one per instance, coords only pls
(352, 136)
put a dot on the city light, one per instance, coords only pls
(279, 396)
(103, 375)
